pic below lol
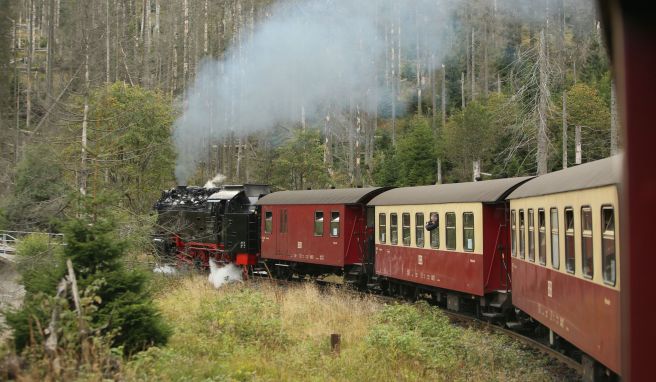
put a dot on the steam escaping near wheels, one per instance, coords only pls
(221, 275)
(165, 269)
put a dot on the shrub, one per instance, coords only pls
(118, 302)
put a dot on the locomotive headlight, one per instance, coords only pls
(242, 244)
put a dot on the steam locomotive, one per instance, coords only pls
(195, 224)
(533, 253)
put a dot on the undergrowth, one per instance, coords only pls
(259, 331)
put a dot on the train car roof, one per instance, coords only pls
(326, 196)
(603, 172)
(471, 192)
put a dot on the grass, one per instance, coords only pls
(260, 331)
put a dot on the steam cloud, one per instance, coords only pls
(306, 57)
(215, 182)
(221, 275)
(317, 55)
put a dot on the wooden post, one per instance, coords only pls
(335, 340)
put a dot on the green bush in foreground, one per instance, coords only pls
(118, 300)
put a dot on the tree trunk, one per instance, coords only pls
(613, 121)
(477, 170)
(147, 44)
(418, 64)
(485, 66)
(565, 129)
(185, 48)
(358, 133)
(174, 69)
(16, 40)
(462, 89)
(543, 99)
(443, 96)
(205, 34)
(432, 73)
(107, 71)
(439, 171)
(51, 49)
(85, 117)
(158, 43)
(30, 53)
(473, 67)
(328, 146)
(577, 142)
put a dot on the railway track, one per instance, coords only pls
(564, 366)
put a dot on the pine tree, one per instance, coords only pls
(124, 307)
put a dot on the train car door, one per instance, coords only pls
(282, 242)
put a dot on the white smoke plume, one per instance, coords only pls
(311, 56)
(216, 181)
(220, 276)
(306, 57)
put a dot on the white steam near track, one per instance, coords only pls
(221, 275)
(305, 57)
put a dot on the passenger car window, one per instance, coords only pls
(542, 238)
(570, 260)
(513, 234)
(587, 249)
(419, 229)
(531, 235)
(555, 242)
(394, 229)
(334, 223)
(268, 221)
(406, 228)
(522, 235)
(608, 256)
(382, 227)
(450, 230)
(468, 231)
(318, 223)
(435, 233)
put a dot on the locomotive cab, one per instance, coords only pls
(236, 221)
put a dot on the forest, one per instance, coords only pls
(105, 103)
(115, 100)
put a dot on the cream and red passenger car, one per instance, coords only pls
(565, 255)
(465, 256)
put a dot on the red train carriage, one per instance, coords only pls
(565, 270)
(317, 232)
(463, 257)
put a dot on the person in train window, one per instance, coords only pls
(432, 223)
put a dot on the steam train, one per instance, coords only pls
(532, 253)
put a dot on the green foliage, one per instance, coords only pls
(259, 331)
(468, 136)
(40, 263)
(586, 109)
(131, 137)
(40, 192)
(415, 154)
(125, 305)
(418, 332)
(299, 162)
(385, 172)
(118, 305)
